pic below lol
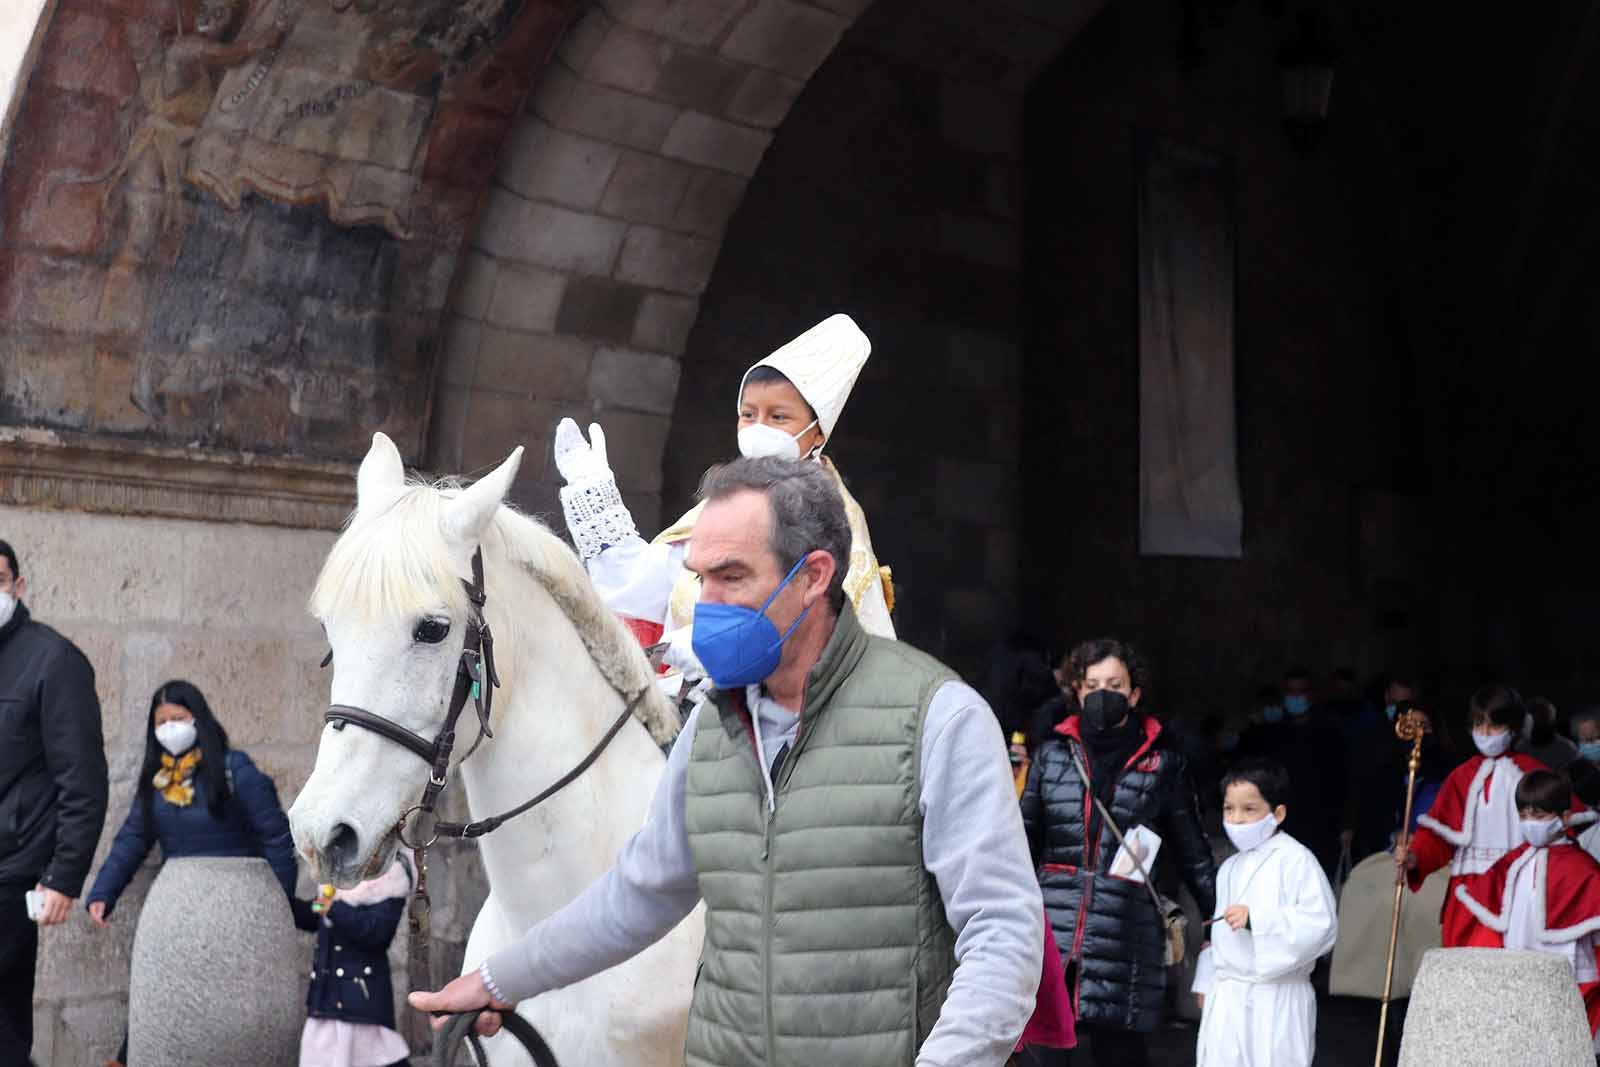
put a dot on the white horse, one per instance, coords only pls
(566, 664)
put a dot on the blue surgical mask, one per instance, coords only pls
(1296, 703)
(1590, 750)
(737, 645)
(1272, 713)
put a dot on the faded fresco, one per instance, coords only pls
(240, 218)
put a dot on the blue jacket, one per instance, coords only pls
(252, 824)
(350, 970)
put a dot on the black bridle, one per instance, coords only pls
(476, 680)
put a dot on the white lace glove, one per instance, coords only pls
(596, 516)
(580, 461)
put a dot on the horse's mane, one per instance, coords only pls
(529, 543)
(396, 562)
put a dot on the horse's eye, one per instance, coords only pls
(431, 631)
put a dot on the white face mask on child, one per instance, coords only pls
(1541, 832)
(1492, 745)
(759, 440)
(1248, 835)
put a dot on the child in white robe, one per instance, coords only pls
(1276, 916)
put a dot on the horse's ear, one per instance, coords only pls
(382, 474)
(466, 516)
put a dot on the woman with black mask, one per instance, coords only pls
(1111, 936)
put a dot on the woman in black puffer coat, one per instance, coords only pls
(1111, 937)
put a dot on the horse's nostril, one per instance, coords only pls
(341, 848)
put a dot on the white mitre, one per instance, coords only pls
(823, 364)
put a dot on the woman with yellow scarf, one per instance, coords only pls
(219, 908)
(788, 405)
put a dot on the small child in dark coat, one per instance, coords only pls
(350, 1005)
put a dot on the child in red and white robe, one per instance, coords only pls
(1544, 896)
(1473, 822)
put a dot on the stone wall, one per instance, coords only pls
(223, 606)
(613, 201)
(893, 192)
(244, 236)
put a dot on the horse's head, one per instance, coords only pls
(392, 601)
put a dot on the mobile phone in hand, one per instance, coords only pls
(35, 900)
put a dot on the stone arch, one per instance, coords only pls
(613, 193)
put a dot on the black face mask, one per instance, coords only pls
(1103, 709)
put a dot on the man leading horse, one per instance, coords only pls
(844, 806)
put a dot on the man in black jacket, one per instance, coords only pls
(52, 793)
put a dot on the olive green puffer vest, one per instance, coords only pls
(826, 939)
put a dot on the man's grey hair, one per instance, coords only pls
(807, 511)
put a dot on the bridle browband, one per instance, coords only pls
(476, 680)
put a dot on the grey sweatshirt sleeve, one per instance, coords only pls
(646, 893)
(974, 845)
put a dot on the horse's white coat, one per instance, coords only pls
(565, 664)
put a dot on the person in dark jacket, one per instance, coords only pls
(1016, 680)
(197, 797)
(52, 793)
(1310, 745)
(350, 1003)
(1111, 937)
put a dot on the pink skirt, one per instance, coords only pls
(336, 1043)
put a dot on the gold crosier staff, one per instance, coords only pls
(1409, 727)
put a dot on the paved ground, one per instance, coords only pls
(1347, 1033)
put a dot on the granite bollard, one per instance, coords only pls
(214, 963)
(1488, 1007)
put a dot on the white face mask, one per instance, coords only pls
(1248, 835)
(176, 736)
(1492, 745)
(1541, 832)
(8, 607)
(758, 440)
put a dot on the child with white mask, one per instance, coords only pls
(1473, 821)
(1544, 895)
(789, 405)
(1276, 916)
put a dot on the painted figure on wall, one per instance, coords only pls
(177, 89)
(343, 114)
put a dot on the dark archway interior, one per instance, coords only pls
(1414, 325)
(1413, 357)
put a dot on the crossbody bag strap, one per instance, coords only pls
(1116, 832)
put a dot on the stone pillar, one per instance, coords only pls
(1482, 1005)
